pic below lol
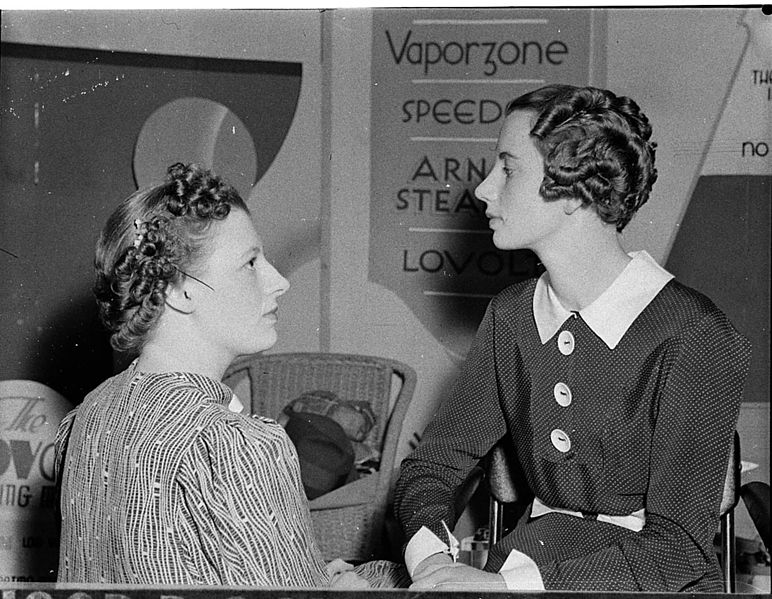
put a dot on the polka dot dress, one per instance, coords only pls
(646, 425)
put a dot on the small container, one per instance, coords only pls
(473, 550)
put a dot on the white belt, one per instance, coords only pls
(634, 521)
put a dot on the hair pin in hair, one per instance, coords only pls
(139, 234)
(204, 283)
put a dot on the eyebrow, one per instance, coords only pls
(505, 154)
(255, 249)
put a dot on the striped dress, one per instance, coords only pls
(162, 484)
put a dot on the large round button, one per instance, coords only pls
(560, 440)
(566, 343)
(562, 394)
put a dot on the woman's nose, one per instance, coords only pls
(277, 283)
(484, 191)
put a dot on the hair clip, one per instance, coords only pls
(204, 283)
(139, 234)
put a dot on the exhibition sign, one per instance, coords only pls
(441, 80)
(29, 542)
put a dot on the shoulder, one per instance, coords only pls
(515, 297)
(690, 309)
(691, 319)
(165, 384)
(687, 303)
(105, 388)
(242, 452)
(253, 436)
(187, 397)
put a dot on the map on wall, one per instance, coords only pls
(441, 80)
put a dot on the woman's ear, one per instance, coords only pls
(180, 299)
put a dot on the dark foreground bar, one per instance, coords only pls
(61, 591)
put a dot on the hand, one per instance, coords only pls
(337, 566)
(350, 581)
(430, 564)
(457, 577)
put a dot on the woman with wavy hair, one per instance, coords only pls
(163, 481)
(618, 387)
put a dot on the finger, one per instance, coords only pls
(337, 566)
(350, 580)
(427, 582)
(420, 585)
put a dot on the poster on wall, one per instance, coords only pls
(441, 80)
(75, 119)
(737, 164)
(29, 531)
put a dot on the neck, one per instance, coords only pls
(172, 350)
(583, 267)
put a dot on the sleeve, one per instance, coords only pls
(247, 508)
(520, 573)
(61, 443)
(464, 429)
(697, 410)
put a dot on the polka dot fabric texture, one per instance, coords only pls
(646, 425)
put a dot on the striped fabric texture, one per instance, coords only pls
(162, 484)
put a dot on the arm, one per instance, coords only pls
(60, 444)
(461, 433)
(699, 400)
(248, 506)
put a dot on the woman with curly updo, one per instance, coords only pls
(163, 480)
(617, 388)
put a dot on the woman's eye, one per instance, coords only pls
(251, 263)
(508, 171)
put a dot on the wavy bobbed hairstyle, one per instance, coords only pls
(596, 147)
(153, 238)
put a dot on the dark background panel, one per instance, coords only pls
(69, 121)
(722, 249)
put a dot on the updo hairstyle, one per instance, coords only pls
(153, 238)
(595, 147)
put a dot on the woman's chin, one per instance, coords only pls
(501, 242)
(264, 341)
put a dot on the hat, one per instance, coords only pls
(324, 451)
(356, 417)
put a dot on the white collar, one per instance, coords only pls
(614, 311)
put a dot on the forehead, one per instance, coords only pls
(234, 235)
(515, 133)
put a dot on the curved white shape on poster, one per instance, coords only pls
(30, 413)
(196, 130)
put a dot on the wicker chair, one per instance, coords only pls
(349, 521)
